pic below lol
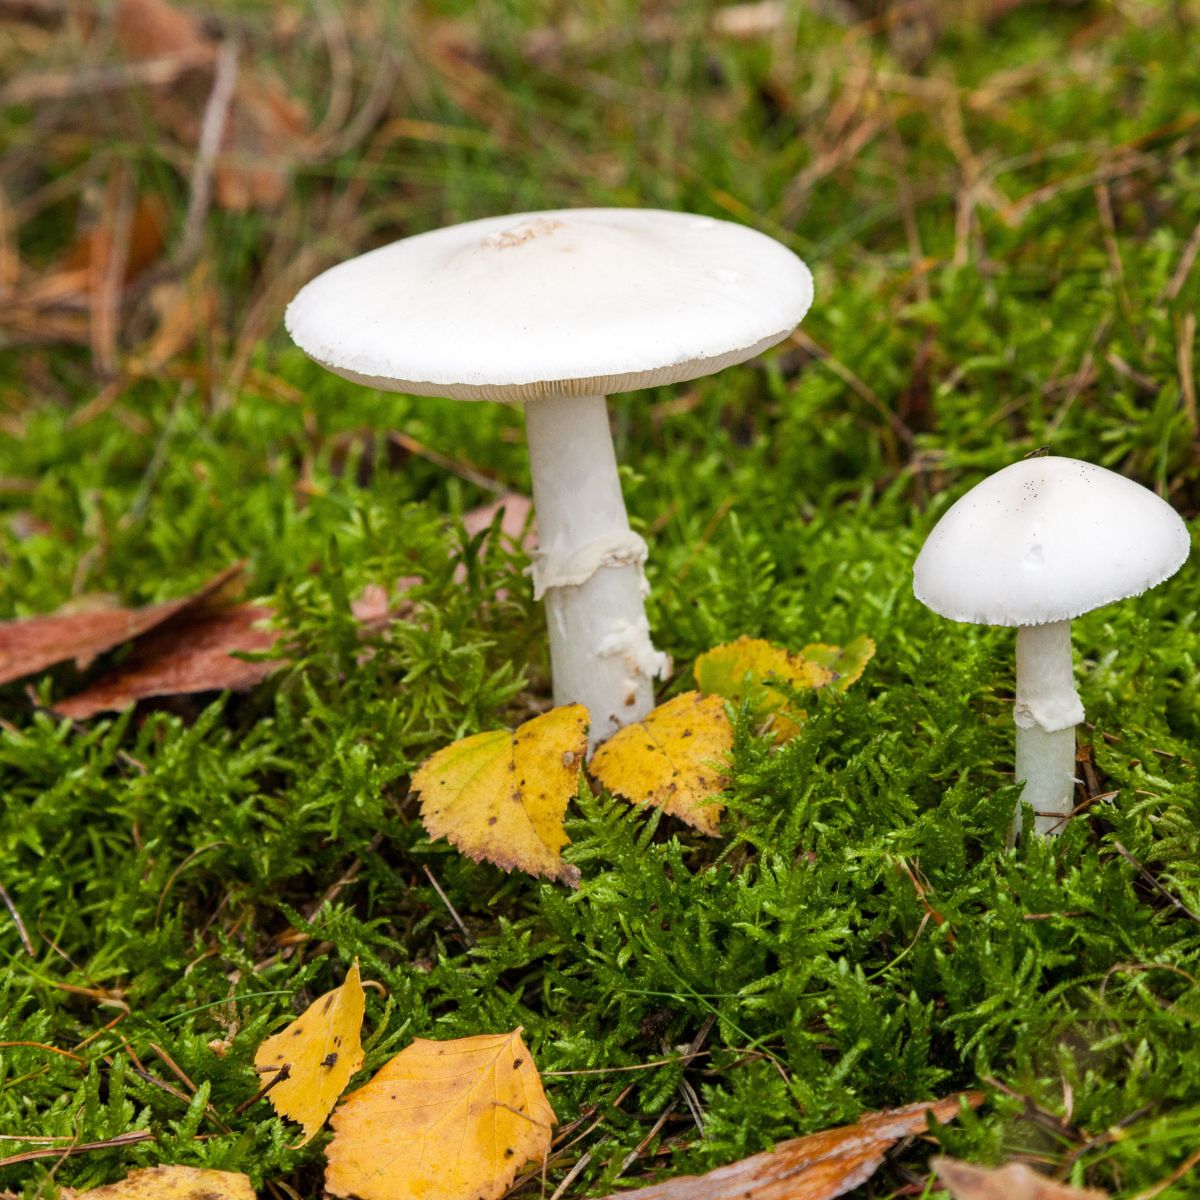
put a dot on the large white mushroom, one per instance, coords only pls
(1035, 545)
(556, 310)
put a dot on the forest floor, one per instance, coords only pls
(1002, 214)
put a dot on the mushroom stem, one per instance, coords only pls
(1046, 712)
(589, 566)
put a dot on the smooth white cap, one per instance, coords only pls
(1047, 539)
(576, 302)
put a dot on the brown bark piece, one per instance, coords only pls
(817, 1167)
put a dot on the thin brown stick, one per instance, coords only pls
(636, 1152)
(1185, 346)
(212, 131)
(45, 1046)
(281, 1074)
(106, 277)
(1154, 883)
(176, 1069)
(576, 1170)
(446, 901)
(122, 1139)
(646, 1066)
(1186, 261)
(85, 81)
(1174, 1177)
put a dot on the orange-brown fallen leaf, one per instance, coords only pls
(514, 524)
(318, 1052)
(191, 653)
(817, 1167)
(1013, 1181)
(190, 645)
(171, 1183)
(442, 1121)
(672, 758)
(35, 643)
(502, 796)
(264, 128)
(79, 296)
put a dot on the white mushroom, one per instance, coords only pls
(1038, 543)
(557, 310)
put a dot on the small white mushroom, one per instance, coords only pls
(558, 310)
(1035, 545)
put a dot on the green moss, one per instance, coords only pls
(861, 937)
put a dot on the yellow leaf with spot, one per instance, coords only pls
(441, 1121)
(845, 663)
(172, 1183)
(761, 674)
(502, 796)
(672, 759)
(319, 1051)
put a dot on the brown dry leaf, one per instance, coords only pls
(191, 653)
(171, 1183)
(320, 1051)
(264, 129)
(80, 295)
(817, 1167)
(1014, 1181)
(194, 652)
(35, 643)
(502, 796)
(442, 1121)
(669, 759)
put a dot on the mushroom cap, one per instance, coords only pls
(1047, 539)
(575, 302)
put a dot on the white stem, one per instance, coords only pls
(1046, 712)
(589, 566)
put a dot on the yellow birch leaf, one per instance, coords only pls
(173, 1183)
(750, 668)
(321, 1050)
(844, 663)
(502, 796)
(671, 759)
(442, 1121)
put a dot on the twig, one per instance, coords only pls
(685, 1087)
(1154, 883)
(106, 275)
(212, 131)
(1187, 379)
(59, 85)
(636, 1152)
(646, 1066)
(16, 916)
(176, 1069)
(855, 384)
(1186, 261)
(446, 901)
(1174, 1177)
(1109, 225)
(281, 1074)
(462, 470)
(576, 1170)
(379, 96)
(45, 1046)
(122, 1139)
